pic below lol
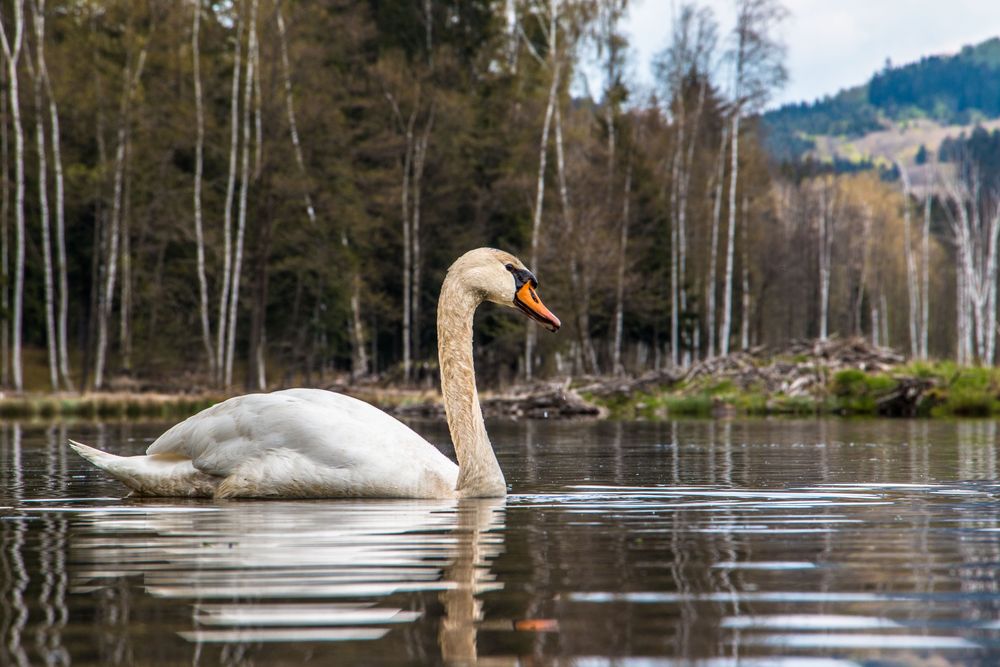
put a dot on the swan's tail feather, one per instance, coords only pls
(102, 460)
(151, 475)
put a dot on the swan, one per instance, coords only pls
(313, 443)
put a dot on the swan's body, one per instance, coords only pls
(301, 443)
(290, 444)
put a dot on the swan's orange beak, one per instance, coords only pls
(529, 303)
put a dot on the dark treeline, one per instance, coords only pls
(261, 193)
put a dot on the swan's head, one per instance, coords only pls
(500, 277)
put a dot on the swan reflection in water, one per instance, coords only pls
(309, 571)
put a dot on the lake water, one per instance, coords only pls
(698, 542)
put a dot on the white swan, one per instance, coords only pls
(311, 443)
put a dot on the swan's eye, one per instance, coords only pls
(510, 267)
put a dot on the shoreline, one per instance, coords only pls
(833, 378)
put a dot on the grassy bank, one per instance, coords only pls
(841, 378)
(104, 406)
(929, 389)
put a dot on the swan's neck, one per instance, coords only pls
(479, 473)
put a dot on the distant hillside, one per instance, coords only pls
(960, 89)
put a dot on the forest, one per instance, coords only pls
(951, 89)
(251, 194)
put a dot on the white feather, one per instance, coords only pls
(296, 443)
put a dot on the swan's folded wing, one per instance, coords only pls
(330, 429)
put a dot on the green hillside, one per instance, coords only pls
(959, 89)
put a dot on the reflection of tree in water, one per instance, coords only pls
(678, 564)
(15, 575)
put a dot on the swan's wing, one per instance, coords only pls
(327, 428)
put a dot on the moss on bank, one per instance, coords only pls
(936, 389)
(104, 406)
(948, 390)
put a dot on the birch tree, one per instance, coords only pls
(579, 284)
(925, 256)
(419, 163)
(38, 21)
(293, 128)
(12, 53)
(745, 271)
(4, 234)
(712, 281)
(359, 366)
(411, 153)
(131, 76)
(912, 286)
(824, 224)
(407, 249)
(687, 59)
(757, 58)
(248, 86)
(227, 214)
(974, 219)
(616, 350)
(611, 44)
(60, 207)
(554, 66)
(199, 236)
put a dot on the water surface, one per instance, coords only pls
(745, 542)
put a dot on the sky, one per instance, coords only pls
(834, 44)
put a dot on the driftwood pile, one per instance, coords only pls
(802, 369)
(541, 401)
(536, 401)
(799, 369)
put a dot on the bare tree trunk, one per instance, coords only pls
(875, 323)
(12, 52)
(257, 354)
(290, 109)
(825, 248)
(97, 265)
(359, 358)
(536, 221)
(863, 278)
(711, 286)
(248, 86)
(4, 237)
(129, 81)
(961, 355)
(616, 353)
(407, 248)
(675, 291)
(925, 268)
(429, 32)
(580, 287)
(682, 204)
(912, 287)
(727, 291)
(745, 270)
(976, 241)
(125, 316)
(227, 215)
(419, 161)
(60, 216)
(257, 363)
(206, 328)
(884, 319)
(43, 199)
(258, 128)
